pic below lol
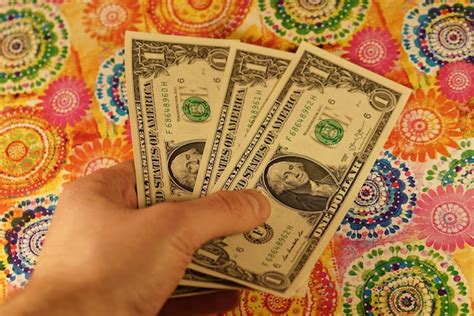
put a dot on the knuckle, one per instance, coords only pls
(92, 187)
(169, 221)
(99, 182)
(102, 177)
(173, 225)
(183, 247)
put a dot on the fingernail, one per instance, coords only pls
(251, 196)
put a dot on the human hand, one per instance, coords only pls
(102, 256)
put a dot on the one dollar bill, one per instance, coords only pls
(254, 73)
(309, 152)
(173, 86)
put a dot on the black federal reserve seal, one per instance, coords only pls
(260, 234)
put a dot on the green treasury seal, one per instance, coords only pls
(329, 132)
(196, 109)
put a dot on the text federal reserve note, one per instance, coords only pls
(309, 154)
(254, 73)
(173, 85)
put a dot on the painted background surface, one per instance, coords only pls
(406, 245)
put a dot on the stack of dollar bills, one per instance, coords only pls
(304, 129)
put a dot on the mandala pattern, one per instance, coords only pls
(434, 35)
(384, 203)
(456, 169)
(107, 20)
(34, 44)
(32, 151)
(23, 229)
(64, 114)
(320, 22)
(445, 217)
(373, 49)
(259, 303)
(456, 81)
(320, 299)
(427, 125)
(209, 18)
(98, 154)
(110, 88)
(65, 101)
(404, 279)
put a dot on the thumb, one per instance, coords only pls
(221, 214)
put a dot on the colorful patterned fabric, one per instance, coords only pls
(406, 246)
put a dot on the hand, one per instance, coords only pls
(102, 256)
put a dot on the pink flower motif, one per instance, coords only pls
(445, 217)
(65, 101)
(373, 49)
(456, 81)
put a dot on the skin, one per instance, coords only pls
(102, 256)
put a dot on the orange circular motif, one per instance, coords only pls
(262, 304)
(95, 155)
(276, 304)
(17, 150)
(420, 125)
(112, 15)
(31, 149)
(107, 20)
(428, 124)
(209, 18)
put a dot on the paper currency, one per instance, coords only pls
(309, 153)
(308, 150)
(182, 291)
(173, 88)
(253, 74)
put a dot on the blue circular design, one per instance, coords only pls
(455, 169)
(34, 45)
(404, 279)
(110, 88)
(384, 203)
(319, 22)
(24, 227)
(434, 35)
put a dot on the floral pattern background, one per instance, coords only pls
(406, 246)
